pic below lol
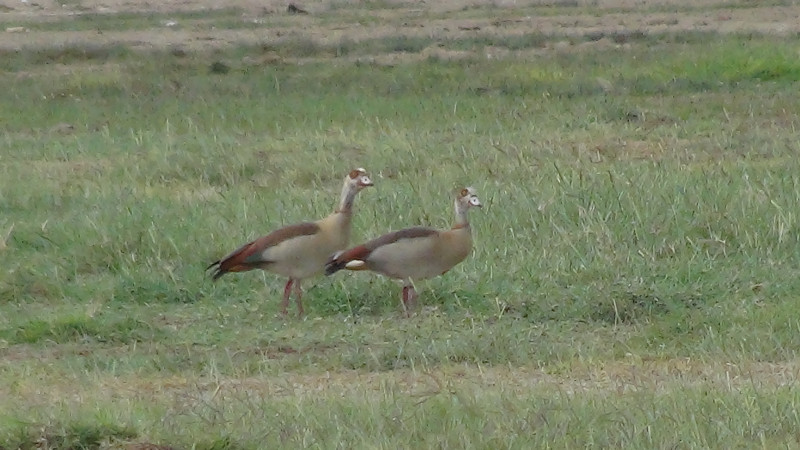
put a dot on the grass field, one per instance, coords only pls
(634, 281)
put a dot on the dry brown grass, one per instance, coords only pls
(627, 375)
(450, 19)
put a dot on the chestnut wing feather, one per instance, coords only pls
(391, 238)
(362, 252)
(250, 256)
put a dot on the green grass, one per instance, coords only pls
(633, 282)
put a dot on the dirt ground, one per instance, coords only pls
(50, 7)
(439, 18)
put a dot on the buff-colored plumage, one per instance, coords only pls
(301, 250)
(413, 253)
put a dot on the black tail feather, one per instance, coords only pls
(334, 265)
(217, 270)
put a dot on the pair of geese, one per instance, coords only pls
(305, 249)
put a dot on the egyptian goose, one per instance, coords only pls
(413, 253)
(301, 250)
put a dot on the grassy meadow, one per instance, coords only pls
(634, 281)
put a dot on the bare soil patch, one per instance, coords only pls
(345, 20)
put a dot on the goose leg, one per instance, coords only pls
(298, 291)
(286, 291)
(412, 297)
(409, 298)
(405, 299)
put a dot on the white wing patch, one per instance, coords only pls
(355, 264)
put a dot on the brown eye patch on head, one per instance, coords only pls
(355, 173)
(464, 192)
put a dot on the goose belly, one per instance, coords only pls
(418, 259)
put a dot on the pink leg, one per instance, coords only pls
(409, 298)
(286, 291)
(412, 297)
(299, 293)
